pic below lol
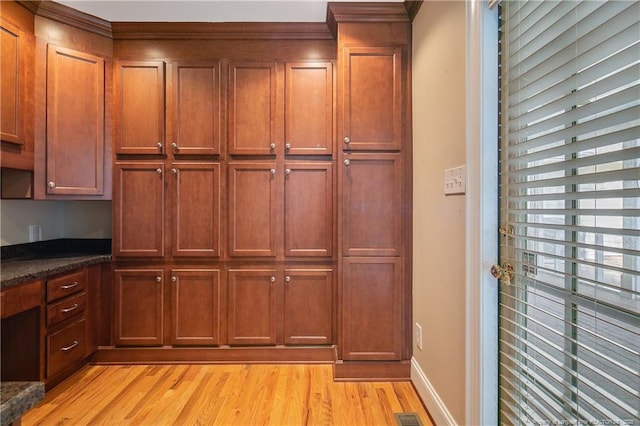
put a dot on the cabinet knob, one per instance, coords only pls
(347, 139)
(287, 172)
(159, 171)
(158, 279)
(347, 162)
(287, 146)
(174, 171)
(272, 279)
(273, 171)
(52, 184)
(287, 279)
(174, 145)
(159, 145)
(272, 146)
(174, 278)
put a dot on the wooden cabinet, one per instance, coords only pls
(308, 108)
(252, 306)
(372, 104)
(372, 294)
(75, 142)
(138, 307)
(196, 307)
(253, 115)
(139, 205)
(372, 209)
(308, 306)
(252, 209)
(140, 107)
(12, 100)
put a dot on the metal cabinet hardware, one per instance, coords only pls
(69, 286)
(67, 310)
(52, 184)
(347, 139)
(159, 145)
(272, 279)
(287, 146)
(347, 162)
(71, 346)
(158, 279)
(159, 171)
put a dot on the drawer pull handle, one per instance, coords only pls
(67, 310)
(69, 286)
(71, 346)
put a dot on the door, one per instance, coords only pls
(371, 106)
(253, 115)
(196, 209)
(139, 209)
(140, 88)
(252, 209)
(75, 122)
(252, 306)
(308, 210)
(138, 307)
(196, 108)
(195, 307)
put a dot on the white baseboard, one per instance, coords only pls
(436, 407)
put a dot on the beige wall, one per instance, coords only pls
(58, 219)
(439, 220)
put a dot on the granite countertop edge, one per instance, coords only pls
(18, 398)
(14, 272)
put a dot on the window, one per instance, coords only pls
(570, 201)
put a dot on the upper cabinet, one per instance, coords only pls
(11, 120)
(140, 107)
(75, 123)
(372, 98)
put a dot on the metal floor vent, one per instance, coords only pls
(407, 419)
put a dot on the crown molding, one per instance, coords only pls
(364, 12)
(220, 31)
(67, 15)
(30, 5)
(412, 8)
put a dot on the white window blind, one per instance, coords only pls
(570, 203)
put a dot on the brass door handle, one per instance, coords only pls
(504, 273)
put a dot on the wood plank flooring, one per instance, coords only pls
(222, 395)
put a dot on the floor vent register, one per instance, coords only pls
(407, 419)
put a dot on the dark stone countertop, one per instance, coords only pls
(13, 272)
(17, 398)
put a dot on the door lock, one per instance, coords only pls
(504, 273)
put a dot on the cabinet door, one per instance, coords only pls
(140, 107)
(196, 108)
(252, 209)
(252, 108)
(309, 108)
(196, 209)
(11, 115)
(371, 107)
(195, 307)
(308, 217)
(138, 305)
(372, 207)
(308, 306)
(75, 122)
(139, 209)
(372, 309)
(252, 307)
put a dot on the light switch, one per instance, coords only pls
(455, 180)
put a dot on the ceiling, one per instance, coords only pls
(206, 10)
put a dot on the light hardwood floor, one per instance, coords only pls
(222, 395)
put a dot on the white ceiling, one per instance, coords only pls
(206, 10)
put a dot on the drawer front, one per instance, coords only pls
(66, 308)
(66, 347)
(66, 285)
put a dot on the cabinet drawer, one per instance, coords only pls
(66, 347)
(66, 285)
(66, 308)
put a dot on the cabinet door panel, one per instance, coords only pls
(75, 122)
(139, 209)
(308, 209)
(10, 120)
(252, 209)
(196, 212)
(138, 302)
(372, 207)
(195, 304)
(372, 98)
(252, 307)
(252, 107)
(372, 308)
(309, 108)
(308, 306)
(196, 101)
(140, 107)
